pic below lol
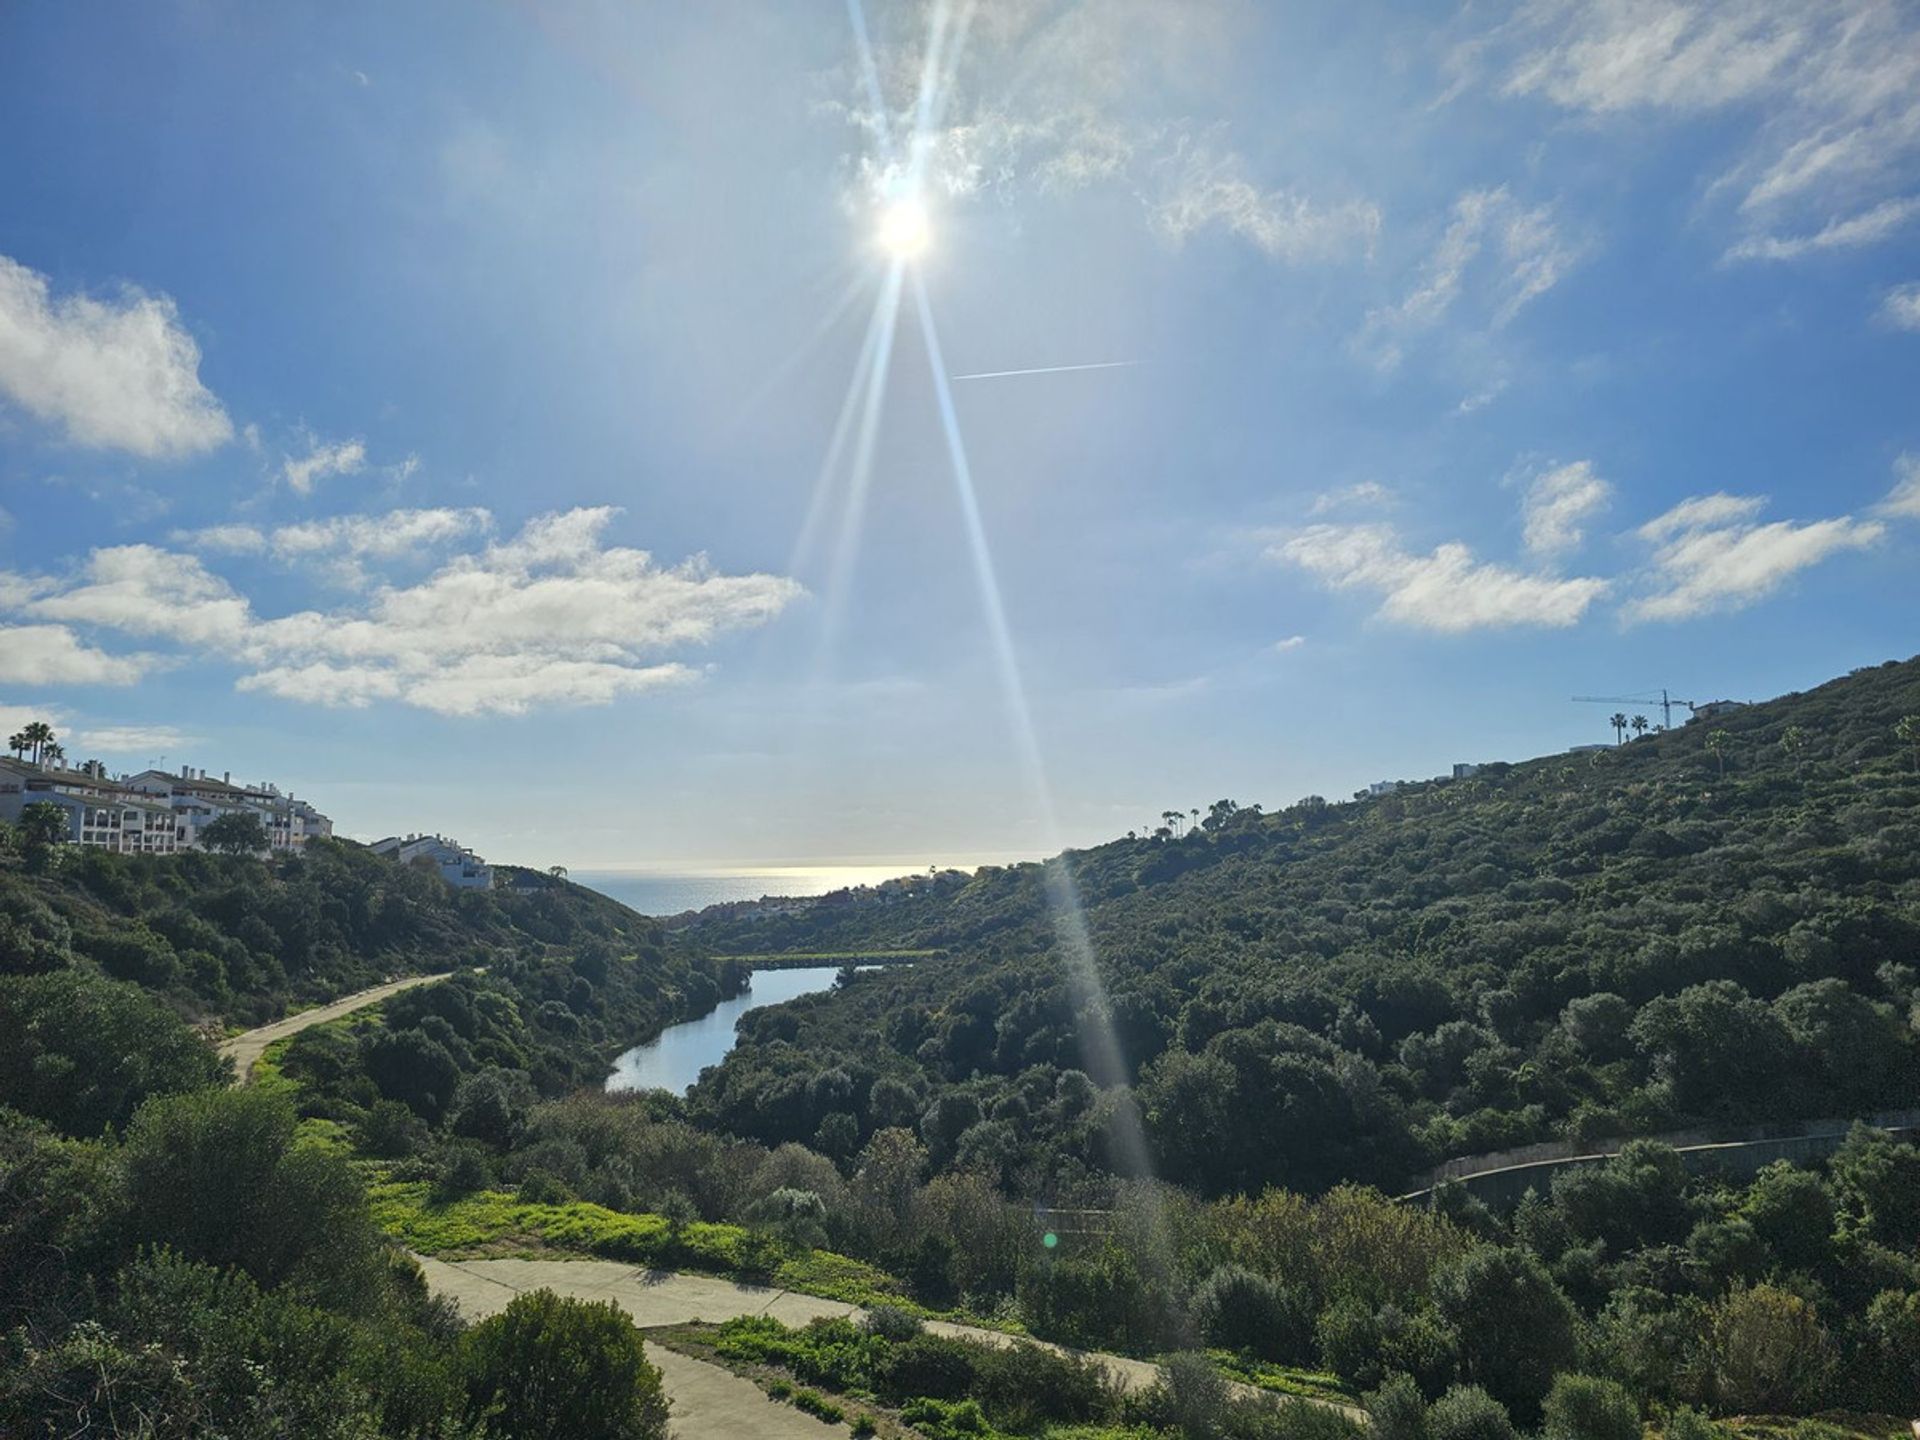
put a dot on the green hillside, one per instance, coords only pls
(1720, 922)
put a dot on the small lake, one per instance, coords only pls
(675, 1060)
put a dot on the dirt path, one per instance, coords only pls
(653, 1297)
(246, 1049)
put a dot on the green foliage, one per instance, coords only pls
(1467, 1412)
(82, 1052)
(217, 1176)
(1767, 1352)
(1396, 1410)
(1516, 1328)
(239, 832)
(1353, 992)
(1239, 1310)
(552, 1368)
(1583, 1407)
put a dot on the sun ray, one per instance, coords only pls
(1099, 1042)
(860, 474)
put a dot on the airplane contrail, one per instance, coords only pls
(1048, 370)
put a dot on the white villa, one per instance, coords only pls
(457, 865)
(153, 812)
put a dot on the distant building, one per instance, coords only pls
(456, 864)
(1384, 787)
(153, 813)
(1714, 709)
(1464, 771)
(198, 800)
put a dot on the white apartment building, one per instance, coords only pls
(456, 864)
(154, 812)
(198, 799)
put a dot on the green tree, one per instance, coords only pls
(1516, 1328)
(1718, 742)
(238, 832)
(1767, 1352)
(1907, 730)
(82, 1052)
(550, 1368)
(43, 824)
(1582, 1407)
(38, 735)
(1467, 1412)
(216, 1175)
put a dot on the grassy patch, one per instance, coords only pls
(1281, 1379)
(1864, 1425)
(492, 1220)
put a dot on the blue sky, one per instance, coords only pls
(423, 406)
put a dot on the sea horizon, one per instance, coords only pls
(660, 890)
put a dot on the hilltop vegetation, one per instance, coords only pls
(1307, 1004)
(244, 939)
(1717, 923)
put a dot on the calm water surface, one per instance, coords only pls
(675, 1060)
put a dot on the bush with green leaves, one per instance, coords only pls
(552, 1368)
(82, 1052)
(1467, 1412)
(1237, 1309)
(1585, 1407)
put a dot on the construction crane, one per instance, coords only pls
(1665, 701)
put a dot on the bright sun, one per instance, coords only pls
(904, 232)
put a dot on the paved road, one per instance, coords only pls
(246, 1049)
(652, 1297)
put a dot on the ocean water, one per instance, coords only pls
(656, 892)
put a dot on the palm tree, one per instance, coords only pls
(1717, 744)
(1793, 740)
(18, 743)
(52, 753)
(38, 735)
(1639, 723)
(1619, 724)
(1907, 730)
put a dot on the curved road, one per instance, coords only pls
(708, 1400)
(246, 1048)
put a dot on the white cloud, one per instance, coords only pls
(1447, 591)
(396, 533)
(1038, 99)
(344, 545)
(554, 616)
(1867, 228)
(144, 590)
(1527, 255)
(1364, 494)
(1904, 499)
(113, 374)
(1703, 512)
(1210, 191)
(1558, 505)
(1900, 307)
(344, 457)
(54, 655)
(138, 740)
(1292, 642)
(1830, 92)
(1712, 558)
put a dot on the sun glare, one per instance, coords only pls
(904, 231)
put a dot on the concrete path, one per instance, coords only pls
(654, 1297)
(246, 1049)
